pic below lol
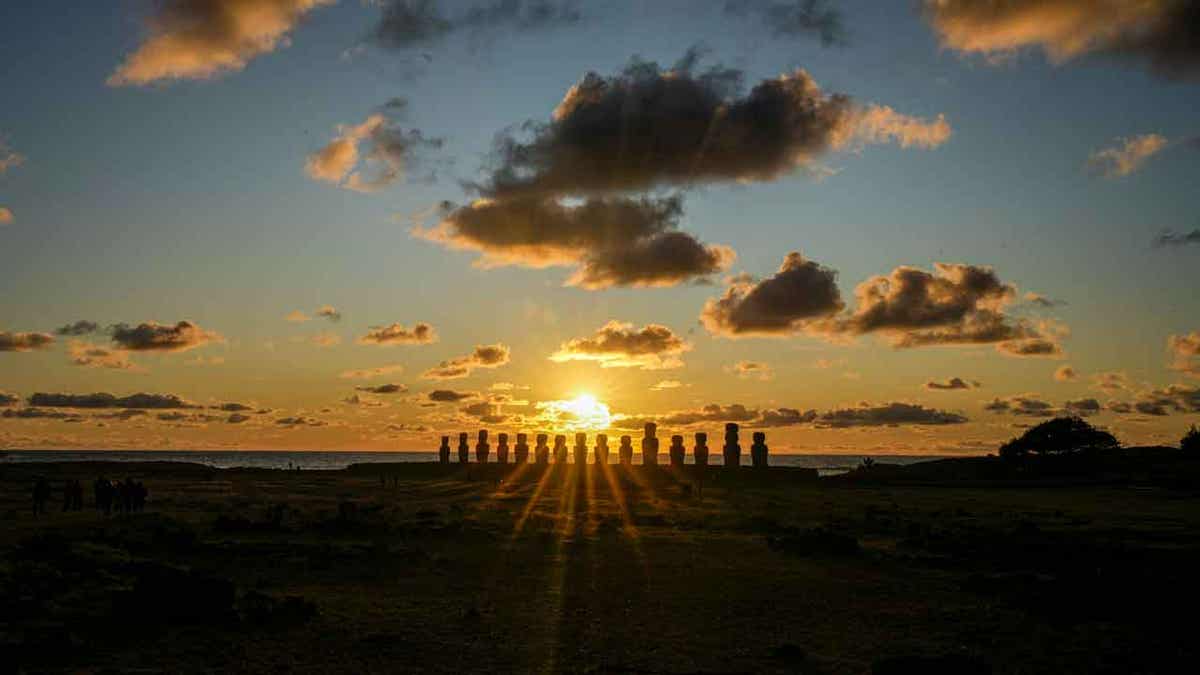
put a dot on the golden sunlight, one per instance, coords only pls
(585, 411)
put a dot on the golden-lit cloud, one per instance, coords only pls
(1127, 156)
(396, 334)
(6, 216)
(666, 385)
(154, 336)
(79, 328)
(1112, 381)
(484, 356)
(1066, 374)
(1185, 353)
(368, 373)
(752, 369)
(880, 124)
(621, 345)
(449, 395)
(140, 401)
(325, 339)
(388, 150)
(954, 383)
(199, 39)
(97, 356)
(7, 399)
(383, 389)
(24, 342)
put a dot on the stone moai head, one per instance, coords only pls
(503, 438)
(602, 440)
(560, 439)
(651, 429)
(483, 435)
(580, 439)
(627, 441)
(731, 429)
(759, 438)
(462, 438)
(677, 441)
(522, 438)
(701, 439)
(541, 439)
(445, 440)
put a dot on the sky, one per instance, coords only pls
(860, 227)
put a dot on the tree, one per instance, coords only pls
(1190, 443)
(1059, 436)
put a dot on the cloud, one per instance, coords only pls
(888, 415)
(1065, 374)
(801, 292)
(236, 418)
(665, 385)
(6, 216)
(951, 384)
(1127, 156)
(96, 356)
(325, 339)
(296, 316)
(396, 334)
(609, 241)
(1038, 347)
(153, 336)
(299, 421)
(405, 24)
(106, 400)
(368, 373)
(329, 312)
(200, 39)
(449, 395)
(795, 18)
(9, 158)
(78, 328)
(384, 389)
(1111, 381)
(621, 345)
(24, 342)
(1159, 33)
(484, 356)
(7, 399)
(363, 401)
(1025, 405)
(1185, 353)
(1039, 300)
(387, 152)
(1172, 398)
(38, 413)
(785, 417)
(1084, 407)
(1171, 238)
(755, 369)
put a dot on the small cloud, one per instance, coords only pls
(1112, 381)
(1066, 374)
(1185, 353)
(1127, 156)
(1171, 238)
(297, 317)
(78, 328)
(449, 395)
(1039, 300)
(368, 373)
(388, 153)
(24, 342)
(396, 334)
(96, 356)
(752, 369)
(329, 312)
(6, 216)
(484, 356)
(384, 389)
(153, 336)
(325, 339)
(621, 345)
(951, 384)
(665, 385)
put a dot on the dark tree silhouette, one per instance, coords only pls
(1190, 443)
(1057, 437)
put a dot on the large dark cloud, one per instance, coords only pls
(396, 334)
(406, 24)
(153, 336)
(24, 342)
(794, 18)
(800, 292)
(81, 327)
(484, 356)
(888, 415)
(1162, 34)
(106, 400)
(621, 345)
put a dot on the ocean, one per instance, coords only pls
(826, 465)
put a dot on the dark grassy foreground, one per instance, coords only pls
(447, 569)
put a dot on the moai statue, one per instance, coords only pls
(464, 449)
(758, 451)
(701, 449)
(625, 452)
(650, 444)
(521, 449)
(581, 449)
(502, 449)
(678, 452)
(560, 449)
(444, 450)
(482, 449)
(601, 449)
(541, 451)
(732, 451)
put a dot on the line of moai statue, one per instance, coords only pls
(602, 449)
(482, 449)
(650, 444)
(581, 450)
(444, 450)
(625, 451)
(700, 452)
(732, 451)
(758, 451)
(677, 451)
(521, 449)
(464, 449)
(502, 448)
(542, 451)
(560, 449)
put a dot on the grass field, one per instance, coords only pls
(423, 568)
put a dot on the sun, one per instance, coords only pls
(588, 412)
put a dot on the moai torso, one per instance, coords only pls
(650, 444)
(560, 449)
(701, 449)
(581, 449)
(625, 451)
(732, 451)
(502, 449)
(521, 449)
(678, 452)
(542, 451)
(758, 451)
(482, 448)
(601, 449)
(464, 449)
(444, 450)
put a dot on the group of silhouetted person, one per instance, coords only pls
(128, 496)
(542, 453)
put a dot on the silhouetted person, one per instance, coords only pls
(41, 494)
(560, 449)
(482, 449)
(581, 449)
(464, 449)
(542, 451)
(701, 449)
(678, 452)
(502, 449)
(602, 449)
(76, 495)
(650, 444)
(625, 451)
(732, 451)
(444, 450)
(758, 451)
(142, 495)
(104, 495)
(521, 449)
(129, 495)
